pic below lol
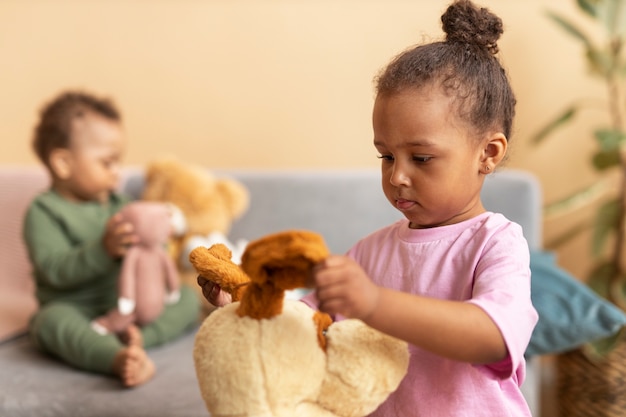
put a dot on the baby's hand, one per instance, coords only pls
(343, 287)
(214, 293)
(118, 236)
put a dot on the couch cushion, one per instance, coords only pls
(33, 384)
(570, 313)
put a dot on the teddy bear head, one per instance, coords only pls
(208, 203)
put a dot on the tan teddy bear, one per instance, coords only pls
(265, 356)
(208, 204)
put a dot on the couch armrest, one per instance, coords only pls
(18, 186)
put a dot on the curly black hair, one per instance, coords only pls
(55, 120)
(464, 65)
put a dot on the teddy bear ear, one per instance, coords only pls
(235, 195)
(285, 259)
(156, 178)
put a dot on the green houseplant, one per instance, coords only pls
(606, 61)
(590, 380)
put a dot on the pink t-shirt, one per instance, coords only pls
(484, 261)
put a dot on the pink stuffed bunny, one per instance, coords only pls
(148, 277)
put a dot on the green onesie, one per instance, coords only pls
(76, 282)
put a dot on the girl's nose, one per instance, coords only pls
(398, 176)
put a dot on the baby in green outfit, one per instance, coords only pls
(76, 240)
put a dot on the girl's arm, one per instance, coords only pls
(453, 329)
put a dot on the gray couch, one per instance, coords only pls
(342, 205)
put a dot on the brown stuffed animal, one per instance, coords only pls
(148, 277)
(209, 205)
(267, 356)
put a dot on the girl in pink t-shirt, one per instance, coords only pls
(452, 279)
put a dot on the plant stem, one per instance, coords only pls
(617, 118)
(615, 290)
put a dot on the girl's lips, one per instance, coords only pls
(403, 204)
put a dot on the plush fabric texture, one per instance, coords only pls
(216, 266)
(363, 366)
(276, 263)
(247, 367)
(570, 313)
(265, 356)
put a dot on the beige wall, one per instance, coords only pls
(271, 83)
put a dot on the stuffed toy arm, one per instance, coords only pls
(126, 305)
(172, 281)
(127, 282)
(178, 222)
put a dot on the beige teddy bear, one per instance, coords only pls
(208, 204)
(265, 356)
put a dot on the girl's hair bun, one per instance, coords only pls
(463, 22)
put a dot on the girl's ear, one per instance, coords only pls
(60, 163)
(493, 152)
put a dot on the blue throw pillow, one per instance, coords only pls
(570, 313)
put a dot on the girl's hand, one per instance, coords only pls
(214, 293)
(342, 287)
(118, 236)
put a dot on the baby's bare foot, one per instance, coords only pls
(133, 366)
(132, 336)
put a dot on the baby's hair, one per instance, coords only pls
(55, 121)
(464, 65)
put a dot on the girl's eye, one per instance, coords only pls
(422, 159)
(385, 157)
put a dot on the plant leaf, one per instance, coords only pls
(599, 277)
(597, 350)
(602, 280)
(604, 160)
(554, 124)
(606, 12)
(611, 15)
(601, 63)
(574, 201)
(619, 20)
(610, 142)
(589, 7)
(609, 139)
(617, 292)
(606, 223)
(599, 280)
(567, 236)
(570, 28)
